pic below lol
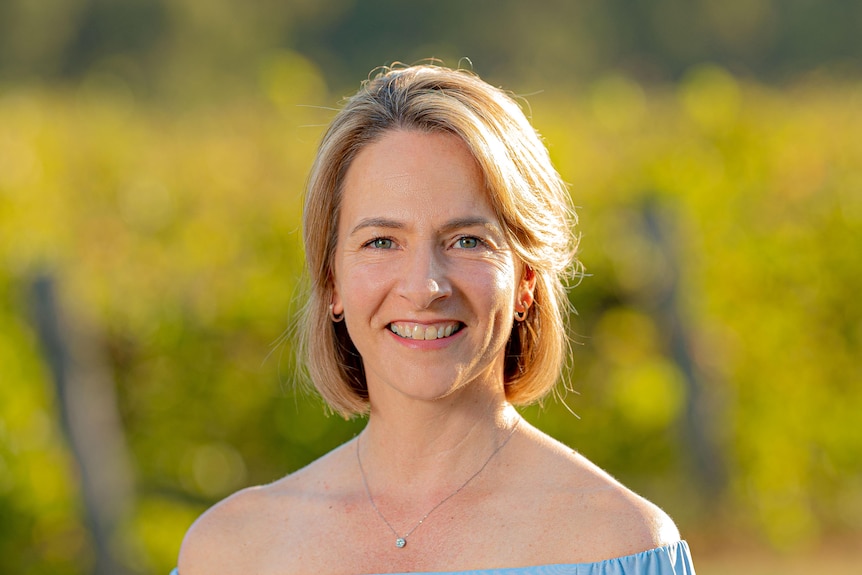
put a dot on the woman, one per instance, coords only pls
(436, 233)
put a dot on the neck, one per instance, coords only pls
(433, 447)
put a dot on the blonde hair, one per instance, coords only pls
(530, 199)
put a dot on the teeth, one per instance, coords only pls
(420, 332)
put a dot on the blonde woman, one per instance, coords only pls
(437, 237)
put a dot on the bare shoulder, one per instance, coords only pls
(624, 522)
(216, 542)
(593, 512)
(240, 533)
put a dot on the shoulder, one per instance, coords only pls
(211, 543)
(229, 536)
(594, 515)
(625, 523)
(240, 533)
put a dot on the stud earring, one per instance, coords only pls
(336, 317)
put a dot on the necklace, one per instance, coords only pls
(401, 540)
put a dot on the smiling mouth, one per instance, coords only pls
(425, 332)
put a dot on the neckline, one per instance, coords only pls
(681, 544)
(633, 558)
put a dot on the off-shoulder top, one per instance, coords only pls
(673, 559)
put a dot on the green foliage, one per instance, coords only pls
(187, 48)
(176, 233)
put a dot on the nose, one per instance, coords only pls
(424, 279)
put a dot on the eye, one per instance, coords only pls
(380, 244)
(468, 242)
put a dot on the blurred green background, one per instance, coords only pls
(152, 162)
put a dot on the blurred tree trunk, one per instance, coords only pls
(701, 408)
(90, 420)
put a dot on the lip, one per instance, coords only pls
(454, 329)
(425, 331)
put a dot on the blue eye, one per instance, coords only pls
(468, 242)
(380, 243)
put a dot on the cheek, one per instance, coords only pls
(504, 289)
(362, 284)
(496, 283)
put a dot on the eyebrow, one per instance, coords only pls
(377, 223)
(470, 222)
(449, 226)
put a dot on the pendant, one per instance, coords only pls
(400, 542)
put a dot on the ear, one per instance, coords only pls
(526, 288)
(336, 305)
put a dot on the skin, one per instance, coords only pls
(419, 248)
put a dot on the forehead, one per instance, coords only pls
(415, 175)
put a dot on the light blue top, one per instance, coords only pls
(674, 559)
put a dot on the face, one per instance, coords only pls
(422, 270)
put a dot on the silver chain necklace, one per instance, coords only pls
(401, 540)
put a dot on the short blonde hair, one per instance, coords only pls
(530, 199)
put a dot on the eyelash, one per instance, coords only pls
(479, 242)
(373, 241)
